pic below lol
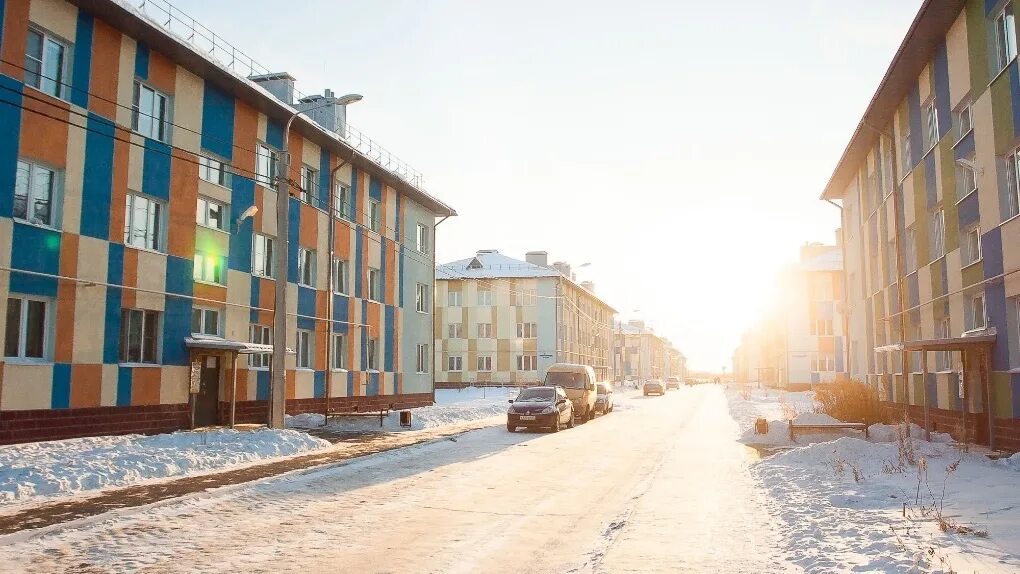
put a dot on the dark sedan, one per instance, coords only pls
(545, 407)
(653, 387)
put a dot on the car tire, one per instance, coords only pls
(570, 421)
(511, 428)
(556, 425)
(591, 415)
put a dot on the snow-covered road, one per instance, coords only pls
(658, 486)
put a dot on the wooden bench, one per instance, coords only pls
(795, 428)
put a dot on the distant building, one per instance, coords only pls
(800, 341)
(500, 320)
(643, 355)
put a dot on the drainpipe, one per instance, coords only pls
(331, 210)
(432, 309)
(846, 291)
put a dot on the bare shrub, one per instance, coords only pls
(906, 450)
(789, 411)
(745, 392)
(850, 401)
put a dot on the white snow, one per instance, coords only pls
(851, 504)
(64, 467)
(452, 406)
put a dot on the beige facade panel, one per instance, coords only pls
(959, 61)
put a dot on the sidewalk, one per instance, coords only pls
(50, 513)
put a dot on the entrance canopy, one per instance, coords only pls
(972, 340)
(214, 343)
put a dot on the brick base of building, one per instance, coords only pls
(55, 424)
(1007, 431)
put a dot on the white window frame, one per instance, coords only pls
(975, 317)
(305, 349)
(203, 209)
(339, 358)
(374, 288)
(22, 326)
(374, 215)
(262, 335)
(970, 246)
(421, 298)
(267, 165)
(213, 170)
(527, 330)
(306, 267)
(422, 359)
(931, 125)
(203, 319)
(454, 299)
(964, 121)
(455, 363)
(1005, 36)
(943, 359)
(58, 87)
(309, 186)
(968, 180)
(341, 273)
(203, 272)
(372, 354)
(342, 201)
(455, 330)
(524, 297)
(267, 268)
(1012, 184)
(154, 122)
(147, 316)
(938, 222)
(486, 300)
(527, 362)
(421, 238)
(484, 330)
(156, 236)
(28, 171)
(483, 363)
(906, 153)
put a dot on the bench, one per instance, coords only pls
(795, 428)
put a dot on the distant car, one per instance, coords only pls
(653, 387)
(673, 383)
(604, 399)
(540, 407)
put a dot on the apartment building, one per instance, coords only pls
(642, 355)
(800, 341)
(501, 320)
(139, 227)
(929, 189)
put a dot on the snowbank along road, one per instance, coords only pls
(658, 486)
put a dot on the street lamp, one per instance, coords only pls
(277, 387)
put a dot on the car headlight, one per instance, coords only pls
(510, 410)
(548, 411)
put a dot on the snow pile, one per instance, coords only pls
(879, 432)
(452, 406)
(1012, 463)
(779, 432)
(770, 404)
(63, 467)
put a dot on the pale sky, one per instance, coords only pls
(679, 147)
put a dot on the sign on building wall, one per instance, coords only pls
(196, 376)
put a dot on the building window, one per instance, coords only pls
(260, 335)
(931, 124)
(527, 363)
(421, 363)
(890, 262)
(527, 330)
(484, 297)
(28, 326)
(971, 246)
(1005, 36)
(938, 234)
(374, 288)
(46, 63)
(371, 350)
(306, 267)
(209, 268)
(906, 154)
(421, 298)
(964, 121)
(422, 239)
(455, 363)
(211, 214)
(485, 330)
(305, 349)
(143, 222)
(911, 251)
(262, 263)
(342, 202)
(309, 184)
(823, 363)
(374, 215)
(339, 276)
(1012, 185)
(943, 358)
(976, 312)
(455, 331)
(150, 113)
(267, 165)
(36, 194)
(212, 170)
(966, 178)
(339, 358)
(453, 299)
(524, 297)
(138, 335)
(205, 321)
(484, 363)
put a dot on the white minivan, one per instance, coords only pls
(579, 382)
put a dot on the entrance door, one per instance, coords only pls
(207, 400)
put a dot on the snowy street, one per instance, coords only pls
(659, 485)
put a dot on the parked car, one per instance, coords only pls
(543, 407)
(673, 383)
(604, 398)
(579, 383)
(653, 387)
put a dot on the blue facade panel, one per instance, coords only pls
(964, 147)
(968, 210)
(375, 188)
(10, 123)
(142, 60)
(325, 187)
(262, 385)
(177, 310)
(61, 396)
(218, 122)
(81, 65)
(111, 325)
(996, 309)
(319, 384)
(274, 134)
(389, 327)
(914, 119)
(293, 236)
(97, 181)
(931, 190)
(156, 169)
(306, 306)
(242, 197)
(35, 249)
(124, 376)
